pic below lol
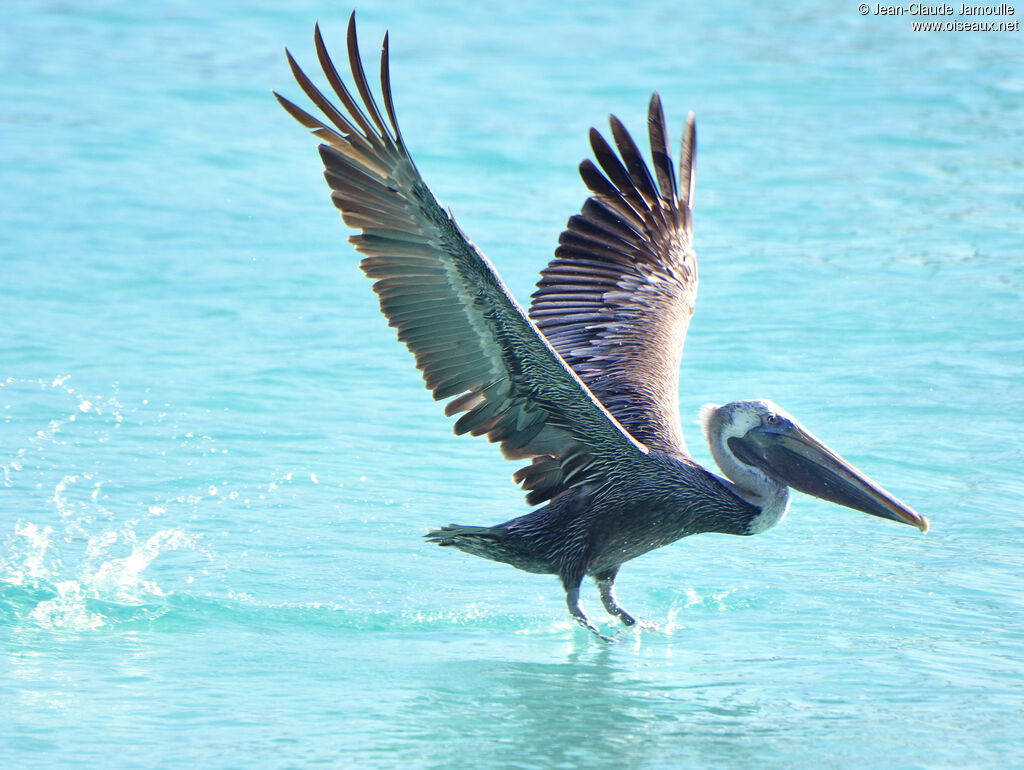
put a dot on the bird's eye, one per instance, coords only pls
(771, 418)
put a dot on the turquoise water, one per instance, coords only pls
(216, 463)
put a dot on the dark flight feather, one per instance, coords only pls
(617, 299)
(470, 338)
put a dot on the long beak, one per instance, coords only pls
(799, 460)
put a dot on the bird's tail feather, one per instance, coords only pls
(478, 541)
(494, 543)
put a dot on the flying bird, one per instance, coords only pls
(583, 387)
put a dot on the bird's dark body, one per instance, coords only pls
(583, 385)
(592, 530)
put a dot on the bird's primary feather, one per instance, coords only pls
(617, 299)
(472, 341)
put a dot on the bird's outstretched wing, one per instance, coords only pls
(471, 339)
(617, 299)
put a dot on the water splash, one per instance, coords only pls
(73, 404)
(42, 584)
(83, 566)
(93, 544)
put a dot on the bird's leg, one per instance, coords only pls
(605, 583)
(572, 600)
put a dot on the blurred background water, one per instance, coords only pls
(216, 463)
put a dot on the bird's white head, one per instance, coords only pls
(722, 422)
(763, 450)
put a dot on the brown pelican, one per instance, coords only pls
(585, 385)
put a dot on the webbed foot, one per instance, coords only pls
(572, 600)
(605, 584)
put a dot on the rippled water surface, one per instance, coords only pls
(216, 464)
